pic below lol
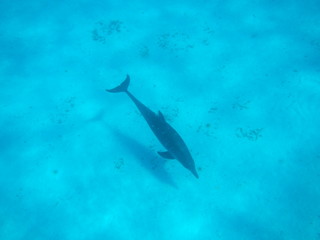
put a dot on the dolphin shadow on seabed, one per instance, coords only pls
(151, 162)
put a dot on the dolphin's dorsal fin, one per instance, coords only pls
(160, 115)
(166, 155)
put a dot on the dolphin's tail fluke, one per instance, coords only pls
(123, 87)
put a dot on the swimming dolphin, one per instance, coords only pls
(168, 137)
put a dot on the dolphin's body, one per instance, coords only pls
(168, 137)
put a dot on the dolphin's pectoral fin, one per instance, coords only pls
(166, 155)
(160, 115)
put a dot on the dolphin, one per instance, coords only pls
(167, 136)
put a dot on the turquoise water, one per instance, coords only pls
(239, 81)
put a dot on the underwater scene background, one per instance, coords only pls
(239, 81)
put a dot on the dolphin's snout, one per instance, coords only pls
(195, 173)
